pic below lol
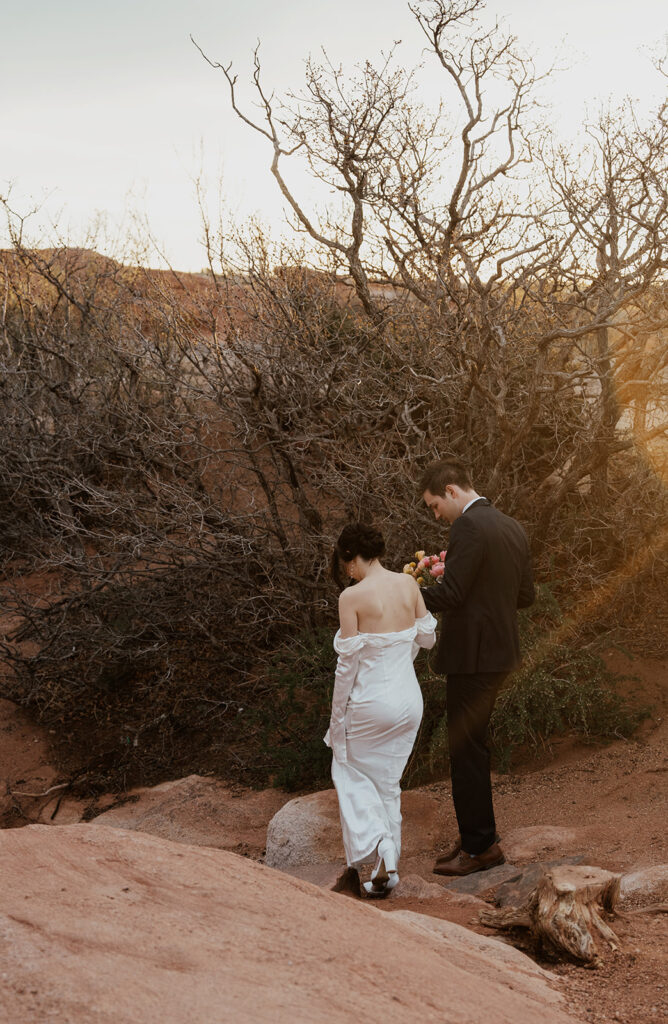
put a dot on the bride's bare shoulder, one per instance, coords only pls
(347, 597)
(407, 581)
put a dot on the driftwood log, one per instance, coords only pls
(563, 911)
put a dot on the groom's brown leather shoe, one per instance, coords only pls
(466, 863)
(451, 854)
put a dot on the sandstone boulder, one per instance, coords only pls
(322, 875)
(307, 829)
(462, 943)
(103, 926)
(201, 811)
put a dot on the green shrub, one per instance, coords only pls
(559, 689)
(569, 691)
(287, 727)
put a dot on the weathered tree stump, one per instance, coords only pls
(563, 911)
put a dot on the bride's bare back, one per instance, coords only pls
(383, 602)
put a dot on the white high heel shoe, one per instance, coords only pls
(384, 876)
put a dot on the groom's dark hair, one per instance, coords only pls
(438, 475)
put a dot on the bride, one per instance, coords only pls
(376, 705)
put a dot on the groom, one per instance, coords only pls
(487, 577)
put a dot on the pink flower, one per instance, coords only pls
(434, 559)
(442, 555)
(437, 570)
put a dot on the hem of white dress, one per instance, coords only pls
(371, 853)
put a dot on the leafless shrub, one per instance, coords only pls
(179, 451)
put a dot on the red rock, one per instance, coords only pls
(101, 925)
(201, 811)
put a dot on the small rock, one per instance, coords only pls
(480, 881)
(415, 887)
(650, 881)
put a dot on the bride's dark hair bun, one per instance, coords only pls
(360, 539)
(356, 539)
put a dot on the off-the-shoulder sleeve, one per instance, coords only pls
(348, 644)
(425, 635)
(348, 650)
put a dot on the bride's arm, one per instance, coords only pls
(347, 613)
(344, 680)
(420, 606)
(347, 646)
(425, 624)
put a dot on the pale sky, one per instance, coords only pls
(107, 107)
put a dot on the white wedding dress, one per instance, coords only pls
(376, 713)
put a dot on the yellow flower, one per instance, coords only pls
(412, 564)
(407, 568)
(419, 555)
(420, 579)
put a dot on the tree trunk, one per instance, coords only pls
(563, 911)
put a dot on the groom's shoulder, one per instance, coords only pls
(482, 513)
(489, 516)
(512, 527)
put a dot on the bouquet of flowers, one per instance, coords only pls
(426, 569)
